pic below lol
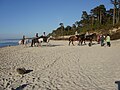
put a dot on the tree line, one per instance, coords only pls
(99, 19)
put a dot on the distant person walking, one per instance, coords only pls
(108, 40)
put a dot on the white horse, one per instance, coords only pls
(26, 41)
(44, 40)
(20, 42)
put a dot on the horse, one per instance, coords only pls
(44, 40)
(82, 38)
(25, 42)
(20, 42)
(40, 40)
(89, 38)
(74, 38)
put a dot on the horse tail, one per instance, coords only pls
(48, 39)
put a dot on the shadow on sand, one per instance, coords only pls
(21, 87)
(50, 45)
(88, 44)
(28, 71)
(47, 46)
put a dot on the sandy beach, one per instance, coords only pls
(60, 67)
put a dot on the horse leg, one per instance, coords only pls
(69, 42)
(48, 42)
(90, 42)
(84, 42)
(32, 43)
(81, 42)
(73, 43)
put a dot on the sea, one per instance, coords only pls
(8, 42)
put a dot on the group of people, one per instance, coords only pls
(23, 41)
(102, 39)
(36, 38)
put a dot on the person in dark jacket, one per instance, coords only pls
(102, 40)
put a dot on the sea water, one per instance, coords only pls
(8, 42)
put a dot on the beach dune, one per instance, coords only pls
(60, 67)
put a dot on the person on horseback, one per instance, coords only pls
(35, 39)
(44, 37)
(87, 33)
(23, 39)
(76, 34)
(44, 34)
(36, 35)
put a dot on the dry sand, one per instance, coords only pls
(60, 67)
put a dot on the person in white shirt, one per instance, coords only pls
(108, 40)
(44, 34)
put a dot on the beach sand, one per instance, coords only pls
(60, 67)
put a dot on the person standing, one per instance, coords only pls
(98, 39)
(108, 40)
(102, 40)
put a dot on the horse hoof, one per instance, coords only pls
(89, 44)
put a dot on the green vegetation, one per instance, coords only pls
(98, 20)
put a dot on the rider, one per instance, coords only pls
(44, 34)
(36, 35)
(23, 39)
(87, 33)
(76, 33)
(35, 39)
(44, 37)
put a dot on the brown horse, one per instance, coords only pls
(74, 38)
(89, 38)
(82, 38)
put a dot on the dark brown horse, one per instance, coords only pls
(82, 38)
(74, 38)
(89, 38)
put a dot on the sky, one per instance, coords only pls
(27, 17)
